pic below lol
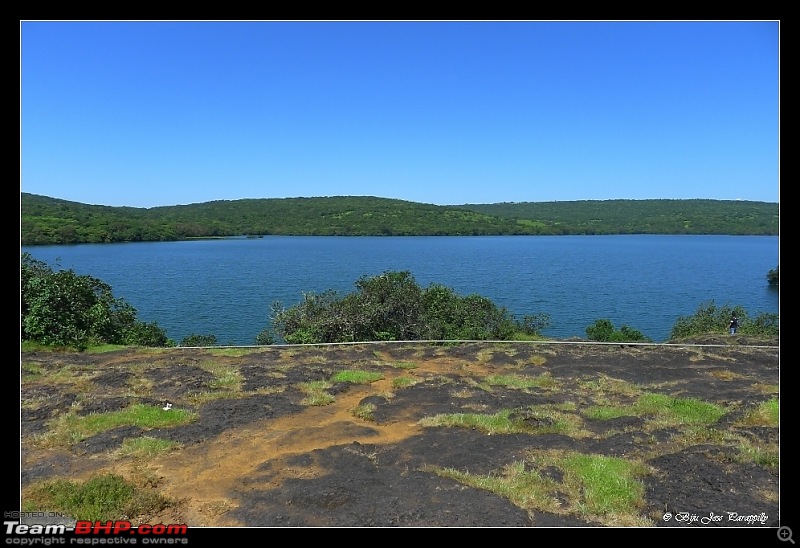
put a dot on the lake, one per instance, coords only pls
(225, 287)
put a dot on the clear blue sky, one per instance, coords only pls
(162, 113)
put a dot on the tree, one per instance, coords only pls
(773, 276)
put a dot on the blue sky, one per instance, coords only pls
(155, 113)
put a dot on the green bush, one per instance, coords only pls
(62, 308)
(392, 306)
(603, 331)
(146, 334)
(710, 319)
(265, 338)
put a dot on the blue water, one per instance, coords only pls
(225, 287)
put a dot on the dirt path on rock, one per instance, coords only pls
(205, 475)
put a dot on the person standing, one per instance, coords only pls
(733, 325)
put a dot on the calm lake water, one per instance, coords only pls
(225, 287)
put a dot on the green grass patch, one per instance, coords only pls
(604, 489)
(227, 382)
(357, 377)
(146, 447)
(319, 399)
(32, 369)
(521, 382)
(153, 349)
(78, 378)
(503, 422)
(528, 337)
(524, 487)
(679, 410)
(767, 388)
(666, 410)
(499, 423)
(609, 485)
(766, 414)
(226, 378)
(33, 346)
(233, 352)
(72, 428)
(555, 419)
(404, 382)
(764, 455)
(316, 393)
(102, 498)
(608, 388)
(140, 385)
(103, 348)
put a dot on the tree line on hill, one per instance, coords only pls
(60, 308)
(51, 221)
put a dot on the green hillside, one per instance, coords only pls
(47, 221)
(642, 216)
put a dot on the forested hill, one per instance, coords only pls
(642, 216)
(46, 220)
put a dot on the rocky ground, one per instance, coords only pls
(259, 455)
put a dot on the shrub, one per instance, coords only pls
(533, 324)
(62, 308)
(265, 338)
(392, 306)
(146, 334)
(603, 331)
(710, 319)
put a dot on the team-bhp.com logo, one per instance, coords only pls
(94, 532)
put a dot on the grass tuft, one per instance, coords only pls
(316, 393)
(365, 411)
(102, 498)
(404, 382)
(521, 382)
(766, 414)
